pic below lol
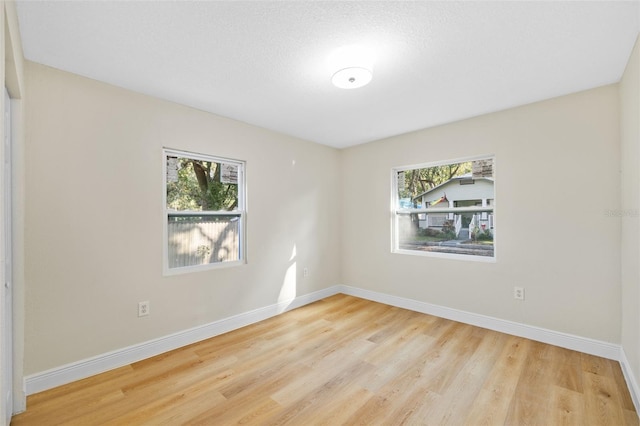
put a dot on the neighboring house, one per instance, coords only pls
(459, 191)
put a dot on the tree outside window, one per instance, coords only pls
(204, 211)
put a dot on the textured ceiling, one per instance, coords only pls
(266, 62)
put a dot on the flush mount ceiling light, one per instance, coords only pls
(351, 78)
(354, 65)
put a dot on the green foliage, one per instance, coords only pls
(222, 196)
(485, 235)
(417, 181)
(185, 193)
(448, 226)
(481, 235)
(199, 188)
(436, 234)
(429, 232)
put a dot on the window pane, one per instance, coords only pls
(469, 233)
(198, 185)
(415, 183)
(461, 195)
(204, 210)
(200, 240)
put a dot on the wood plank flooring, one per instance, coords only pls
(345, 360)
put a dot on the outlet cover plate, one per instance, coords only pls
(143, 308)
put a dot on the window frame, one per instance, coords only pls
(241, 212)
(396, 212)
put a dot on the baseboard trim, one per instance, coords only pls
(91, 366)
(632, 384)
(564, 340)
(99, 364)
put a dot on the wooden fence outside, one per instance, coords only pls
(203, 240)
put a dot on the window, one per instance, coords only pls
(204, 211)
(445, 209)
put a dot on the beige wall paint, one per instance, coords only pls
(94, 218)
(630, 184)
(557, 171)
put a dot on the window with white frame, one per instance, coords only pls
(204, 211)
(445, 209)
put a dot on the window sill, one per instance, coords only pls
(201, 268)
(450, 256)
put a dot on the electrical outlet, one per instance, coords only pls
(518, 293)
(305, 272)
(143, 308)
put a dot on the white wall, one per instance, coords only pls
(94, 218)
(630, 210)
(13, 77)
(556, 243)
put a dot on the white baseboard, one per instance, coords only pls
(85, 368)
(99, 364)
(564, 340)
(632, 384)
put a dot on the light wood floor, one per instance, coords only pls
(345, 360)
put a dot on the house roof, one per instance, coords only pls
(453, 179)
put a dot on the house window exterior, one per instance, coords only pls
(445, 209)
(204, 212)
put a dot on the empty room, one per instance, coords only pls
(320, 212)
